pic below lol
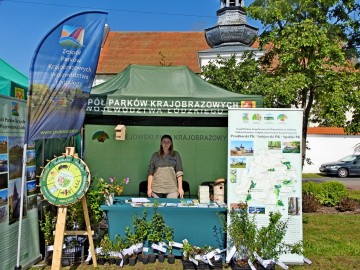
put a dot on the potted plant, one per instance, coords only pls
(47, 227)
(106, 246)
(169, 237)
(116, 186)
(131, 238)
(157, 226)
(200, 253)
(137, 235)
(213, 263)
(141, 230)
(94, 199)
(119, 245)
(241, 230)
(270, 242)
(188, 252)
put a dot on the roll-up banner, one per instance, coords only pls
(264, 167)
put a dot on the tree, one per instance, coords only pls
(308, 47)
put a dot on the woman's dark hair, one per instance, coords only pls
(171, 149)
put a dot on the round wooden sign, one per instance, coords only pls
(64, 180)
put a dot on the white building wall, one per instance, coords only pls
(327, 148)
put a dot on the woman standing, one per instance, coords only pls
(165, 172)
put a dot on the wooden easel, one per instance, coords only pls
(60, 228)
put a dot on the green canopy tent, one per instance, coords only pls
(12, 82)
(162, 91)
(151, 101)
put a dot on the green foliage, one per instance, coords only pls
(235, 76)
(307, 47)
(157, 226)
(140, 229)
(241, 230)
(120, 243)
(332, 193)
(47, 226)
(266, 241)
(188, 249)
(328, 193)
(106, 244)
(311, 188)
(270, 239)
(169, 237)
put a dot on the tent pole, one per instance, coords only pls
(23, 177)
(18, 266)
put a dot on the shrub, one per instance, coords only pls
(328, 193)
(242, 232)
(312, 188)
(347, 204)
(310, 203)
(332, 193)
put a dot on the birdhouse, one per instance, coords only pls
(120, 131)
(219, 190)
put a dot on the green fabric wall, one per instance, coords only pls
(203, 151)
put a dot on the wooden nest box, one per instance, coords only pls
(120, 132)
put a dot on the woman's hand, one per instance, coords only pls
(149, 192)
(181, 193)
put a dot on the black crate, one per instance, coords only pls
(76, 250)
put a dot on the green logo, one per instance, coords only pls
(64, 180)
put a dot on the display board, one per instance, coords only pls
(12, 129)
(264, 167)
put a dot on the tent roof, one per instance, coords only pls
(157, 89)
(10, 76)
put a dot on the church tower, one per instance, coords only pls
(231, 34)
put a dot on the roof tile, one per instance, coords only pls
(326, 131)
(144, 48)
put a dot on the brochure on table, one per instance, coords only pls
(264, 167)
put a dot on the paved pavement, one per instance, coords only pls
(350, 182)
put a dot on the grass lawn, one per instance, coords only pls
(312, 175)
(331, 241)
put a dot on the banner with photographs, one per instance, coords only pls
(265, 167)
(12, 131)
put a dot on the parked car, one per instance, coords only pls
(349, 165)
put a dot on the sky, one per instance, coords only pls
(23, 23)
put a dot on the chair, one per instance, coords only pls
(186, 188)
(143, 188)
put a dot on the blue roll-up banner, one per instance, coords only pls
(61, 75)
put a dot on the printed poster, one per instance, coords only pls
(265, 167)
(12, 130)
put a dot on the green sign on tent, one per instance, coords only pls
(164, 91)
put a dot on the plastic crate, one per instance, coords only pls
(76, 250)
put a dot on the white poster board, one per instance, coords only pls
(264, 167)
(12, 131)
